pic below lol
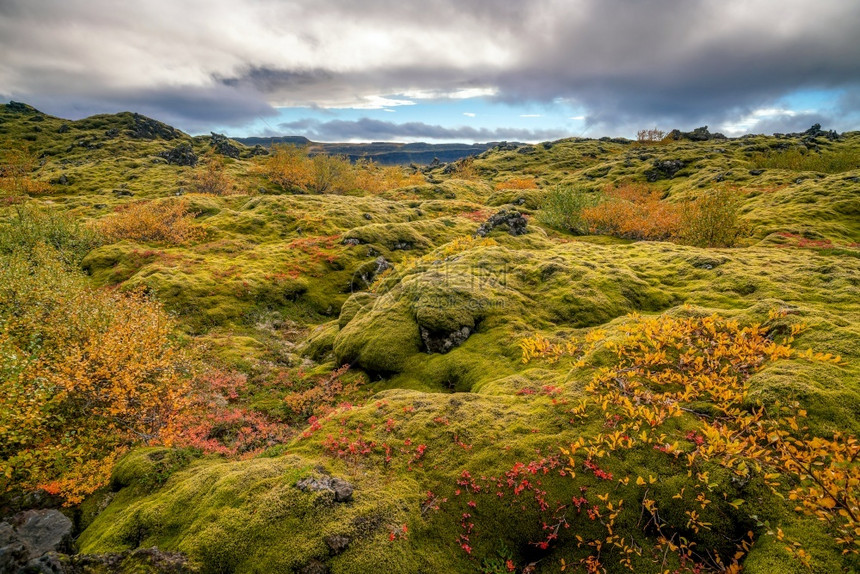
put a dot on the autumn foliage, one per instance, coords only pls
(166, 221)
(678, 386)
(650, 136)
(85, 375)
(213, 420)
(18, 169)
(212, 178)
(640, 212)
(634, 211)
(518, 183)
(294, 167)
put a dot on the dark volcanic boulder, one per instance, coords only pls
(183, 154)
(149, 129)
(223, 146)
(341, 489)
(337, 543)
(436, 343)
(29, 539)
(257, 150)
(664, 169)
(511, 220)
(697, 135)
(815, 131)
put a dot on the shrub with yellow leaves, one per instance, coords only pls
(167, 221)
(664, 370)
(84, 375)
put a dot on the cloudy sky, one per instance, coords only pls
(439, 70)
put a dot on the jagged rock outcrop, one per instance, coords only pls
(183, 154)
(664, 169)
(222, 146)
(149, 129)
(813, 132)
(697, 135)
(511, 220)
(31, 539)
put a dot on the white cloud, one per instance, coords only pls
(469, 114)
(457, 94)
(368, 103)
(748, 122)
(576, 118)
(531, 115)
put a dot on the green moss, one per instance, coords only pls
(273, 283)
(320, 342)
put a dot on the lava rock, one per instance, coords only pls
(341, 489)
(815, 131)
(337, 543)
(512, 220)
(664, 169)
(366, 273)
(183, 154)
(149, 129)
(20, 108)
(29, 536)
(314, 567)
(435, 343)
(756, 171)
(223, 146)
(257, 150)
(505, 146)
(697, 135)
(143, 560)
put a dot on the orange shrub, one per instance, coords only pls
(212, 178)
(85, 375)
(465, 169)
(518, 183)
(288, 166)
(650, 136)
(168, 221)
(17, 167)
(634, 211)
(293, 168)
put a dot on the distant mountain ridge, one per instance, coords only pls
(384, 153)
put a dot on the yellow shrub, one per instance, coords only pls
(84, 375)
(163, 221)
(634, 211)
(518, 183)
(17, 167)
(212, 178)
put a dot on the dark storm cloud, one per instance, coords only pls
(676, 63)
(377, 130)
